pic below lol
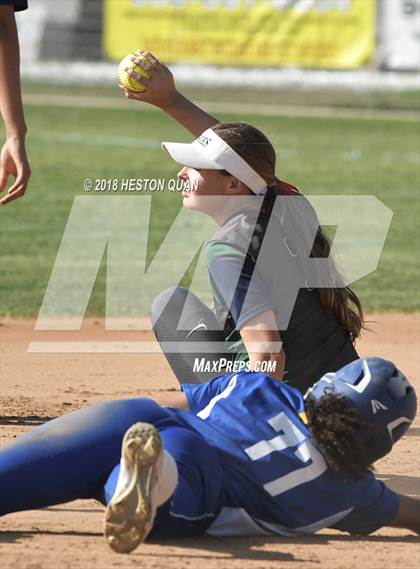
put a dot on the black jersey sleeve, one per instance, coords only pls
(18, 4)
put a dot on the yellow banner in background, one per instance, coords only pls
(299, 33)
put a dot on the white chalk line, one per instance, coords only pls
(260, 108)
(118, 347)
(98, 140)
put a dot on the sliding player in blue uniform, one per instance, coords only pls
(250, 456)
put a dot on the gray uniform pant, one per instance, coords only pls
(180, 320)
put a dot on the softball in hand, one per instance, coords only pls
(125, 79)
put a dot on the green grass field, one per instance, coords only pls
(337, 156)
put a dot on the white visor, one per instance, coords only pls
(211, 152)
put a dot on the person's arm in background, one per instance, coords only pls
(161, 92)
(408, 516)
(263, 344)
(13, 160)
(172, 399)
(246, 297)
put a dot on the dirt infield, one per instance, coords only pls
(35, 387)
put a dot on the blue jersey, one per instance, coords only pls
(275, 478)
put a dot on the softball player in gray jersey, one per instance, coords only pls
(266, 316)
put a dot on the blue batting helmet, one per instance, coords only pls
(382, 395)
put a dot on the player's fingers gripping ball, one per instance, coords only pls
(128, 81)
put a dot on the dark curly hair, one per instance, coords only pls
(338, 430)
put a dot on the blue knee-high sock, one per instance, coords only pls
(70, 457)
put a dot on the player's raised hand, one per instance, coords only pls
(13, 162)
(159, 89)
(160, 86)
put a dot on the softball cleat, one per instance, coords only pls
(130, 513)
